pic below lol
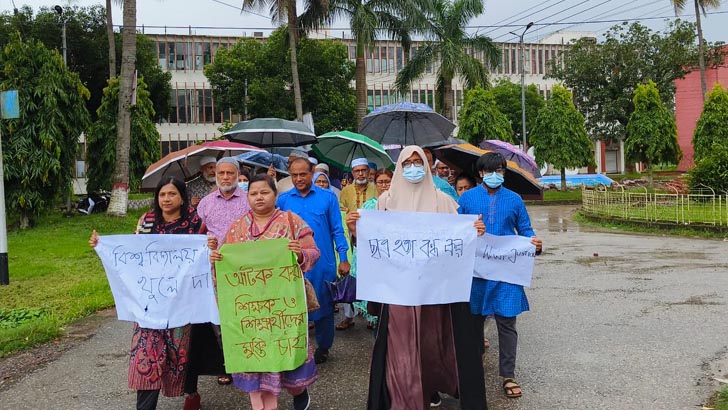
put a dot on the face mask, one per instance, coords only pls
(414, 174)
(493, 180)
(243, 185)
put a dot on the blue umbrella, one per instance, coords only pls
(406, 123)
(264, 159)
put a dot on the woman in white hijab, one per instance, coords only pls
(422, 350)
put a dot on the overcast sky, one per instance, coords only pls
(210, 16)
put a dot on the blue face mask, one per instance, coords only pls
(243, 185)
(414, 173)
(493, 180)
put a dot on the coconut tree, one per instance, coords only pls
(120, 187)
(112, 42)
(700, 5)
(369, 21)
(445, 48)
(280, 11)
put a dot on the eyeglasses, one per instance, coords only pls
(385, 182)
(360, 171)
(417, 162)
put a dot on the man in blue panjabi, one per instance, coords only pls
(319, 208)
(503, 213)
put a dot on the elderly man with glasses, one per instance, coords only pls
(354, 195)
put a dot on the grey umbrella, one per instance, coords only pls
(271, 132)
(406, 123)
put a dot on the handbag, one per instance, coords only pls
(312, 302)
(343, 290)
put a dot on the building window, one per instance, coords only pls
(199, 58)
(180, 56)
(370, 65)
(384, 58)
(399, 58)
(377, 67)
(390, 57)
(162, 55)
(370, 100)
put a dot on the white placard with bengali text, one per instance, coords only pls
(414, 258)
(507, 258)
(160, 281)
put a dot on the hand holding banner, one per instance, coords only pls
(415, 258)
(507, 258)
(159, 281)
(263, 311)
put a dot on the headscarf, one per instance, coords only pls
(318, 174)
(422, 197)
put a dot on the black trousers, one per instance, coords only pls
(468, 335)
(507, 345)
(147, 399)
(205, 356)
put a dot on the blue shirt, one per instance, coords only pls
(504, 213)
(320, 210)
(443, 186)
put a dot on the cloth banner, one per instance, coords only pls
(507, 258)
(160, 281)
(263, 312)
(414, 258)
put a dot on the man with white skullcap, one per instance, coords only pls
(354, 195)
(203, 184)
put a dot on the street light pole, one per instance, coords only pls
(59, 11)
(523, 85)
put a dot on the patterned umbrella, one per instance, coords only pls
(264, 159)
(271, 132)
(513, 153)
(406, 123)
(340, 147)
(518, 180)
(184, 163)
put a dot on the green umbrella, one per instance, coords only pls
(340, 147)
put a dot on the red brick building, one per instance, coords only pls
(689, 106)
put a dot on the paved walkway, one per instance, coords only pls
(618, 321)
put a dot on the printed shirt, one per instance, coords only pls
(443, 186)
(199, 187)
(219, 212)
(352, 199)
(504, 213)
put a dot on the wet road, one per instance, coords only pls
(617, 321)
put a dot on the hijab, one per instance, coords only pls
(317, 175)
(422, 197)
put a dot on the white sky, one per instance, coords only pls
(206, 16)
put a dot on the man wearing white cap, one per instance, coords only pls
(286, 184)
(205, 183)
(353, 196)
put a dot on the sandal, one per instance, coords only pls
(509, 385)
(224, 380)
(345, 324)
(371, 325)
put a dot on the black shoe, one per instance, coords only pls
(302, 401)
(435, 400)
(321, 355)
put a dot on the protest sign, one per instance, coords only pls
(507, 258)
(414, 258)
(159, 281)
(263, 311)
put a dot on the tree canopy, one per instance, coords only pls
(603, 76)
(325, 76)
(559, 137)
(101, 138)
(88, 49)
(508, 98)
(652, 130)
(40, 147)
(481, 119)
(712, 127)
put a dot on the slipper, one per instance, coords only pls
(371, 326)
(486, 343)
(224, 380)
(345, 324)
(509, 385)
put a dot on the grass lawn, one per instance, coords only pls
(722, 403)
(557, 195)
(55, 277)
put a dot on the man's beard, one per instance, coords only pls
(361, 181)
(226, 189)
(210, 178)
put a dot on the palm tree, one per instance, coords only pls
(699, 5)
(112, 42)
(446, 49)
(120, 188)
(368, 20)
(285, 10)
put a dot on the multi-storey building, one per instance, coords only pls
(194, 115)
